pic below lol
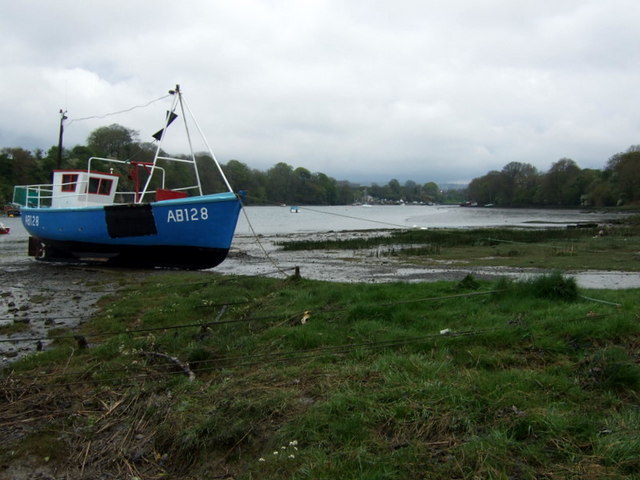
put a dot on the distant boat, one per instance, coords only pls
(4, 230)
(83, 217)
(294, 209)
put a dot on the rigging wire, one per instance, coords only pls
(135, 107)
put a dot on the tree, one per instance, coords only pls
(431, 191)
(560, 185)
(598, 191)
(238, 174)
(328, 187)
(394, 190)
(279, 183)
(114, 141)
(411, 191)
(486, 189)
(519, 184)
(625, 175)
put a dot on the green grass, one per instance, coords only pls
(313, 380)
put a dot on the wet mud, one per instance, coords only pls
(38, 298)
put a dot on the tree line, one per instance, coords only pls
(565, 184)
(517, 184)
(280, 184)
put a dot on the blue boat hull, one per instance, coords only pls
(193, 232)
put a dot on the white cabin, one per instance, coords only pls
(81, 188)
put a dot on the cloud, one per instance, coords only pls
(360, 90)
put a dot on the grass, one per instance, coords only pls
(312, 380)
(616, 247)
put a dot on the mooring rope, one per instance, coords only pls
(257, 239)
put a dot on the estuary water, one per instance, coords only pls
(282, 220)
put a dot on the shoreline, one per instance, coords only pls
(40, 297)
(249, 256)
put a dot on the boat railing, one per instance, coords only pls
(37, 196)
(140, 195)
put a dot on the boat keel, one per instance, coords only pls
(162, 256)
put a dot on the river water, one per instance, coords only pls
(281, 220)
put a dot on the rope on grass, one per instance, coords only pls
(601, 301)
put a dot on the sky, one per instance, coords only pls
(361, 90)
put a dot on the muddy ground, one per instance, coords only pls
(36, 297)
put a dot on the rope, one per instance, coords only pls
(257, 239)
(601, 301)
(352, 217)
(355, 218)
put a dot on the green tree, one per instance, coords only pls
(411, 191)
(431, 192)
(279, 182)
(486, 189)
(560, 185)
(625, 175)
(393, 190)
(519, 184)
(114, 141)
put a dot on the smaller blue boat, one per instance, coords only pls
(82, 216)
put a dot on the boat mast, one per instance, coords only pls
(63, 117)
(204, 138)
(178, 101)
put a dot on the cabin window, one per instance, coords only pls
(105, 187)
(100, 186)
(69, 181)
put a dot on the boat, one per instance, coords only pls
(4, 230)
(82, 216)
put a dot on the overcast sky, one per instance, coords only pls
(361, 90)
